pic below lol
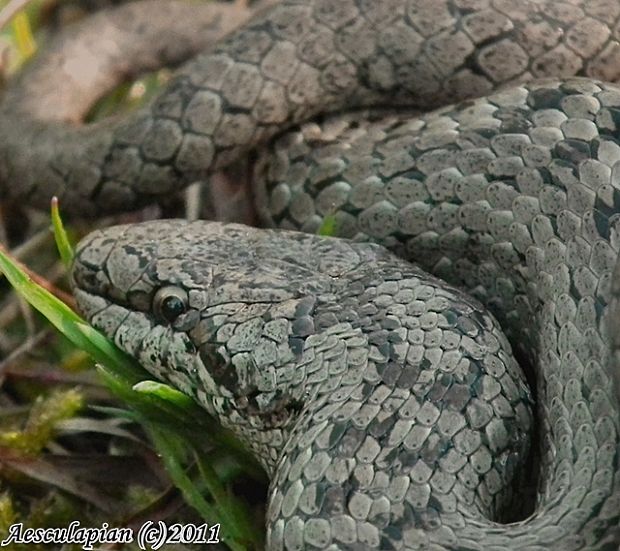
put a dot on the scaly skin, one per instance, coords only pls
(514, 197)
(45, 151)
(385, 405)
(300, 59)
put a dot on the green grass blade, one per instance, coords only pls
(60, 235)
(170, 447)
(24, 39)
(56, 311)
(164, 392)
(328, 227)
(233, 512)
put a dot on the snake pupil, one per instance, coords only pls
(172, 308)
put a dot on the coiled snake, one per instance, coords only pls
(385, 404)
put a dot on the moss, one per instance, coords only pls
(41, 424)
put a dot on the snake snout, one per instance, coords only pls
(88, 272)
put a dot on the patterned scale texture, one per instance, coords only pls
(514, 197)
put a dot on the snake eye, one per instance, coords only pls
(169, 303)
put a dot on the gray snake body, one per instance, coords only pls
(384, 403)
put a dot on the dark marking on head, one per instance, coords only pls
(217, 363)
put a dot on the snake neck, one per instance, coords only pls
(493, 197)
(376, 357)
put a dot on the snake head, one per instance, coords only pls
(220, 311)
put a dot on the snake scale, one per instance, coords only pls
(386, 404)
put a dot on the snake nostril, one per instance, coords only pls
(89, 278)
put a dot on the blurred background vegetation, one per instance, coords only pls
(69, 449)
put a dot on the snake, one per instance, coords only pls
(442, 371)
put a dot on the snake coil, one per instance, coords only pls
(385, 404)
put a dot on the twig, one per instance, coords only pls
(22, 349)
(193, 197)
